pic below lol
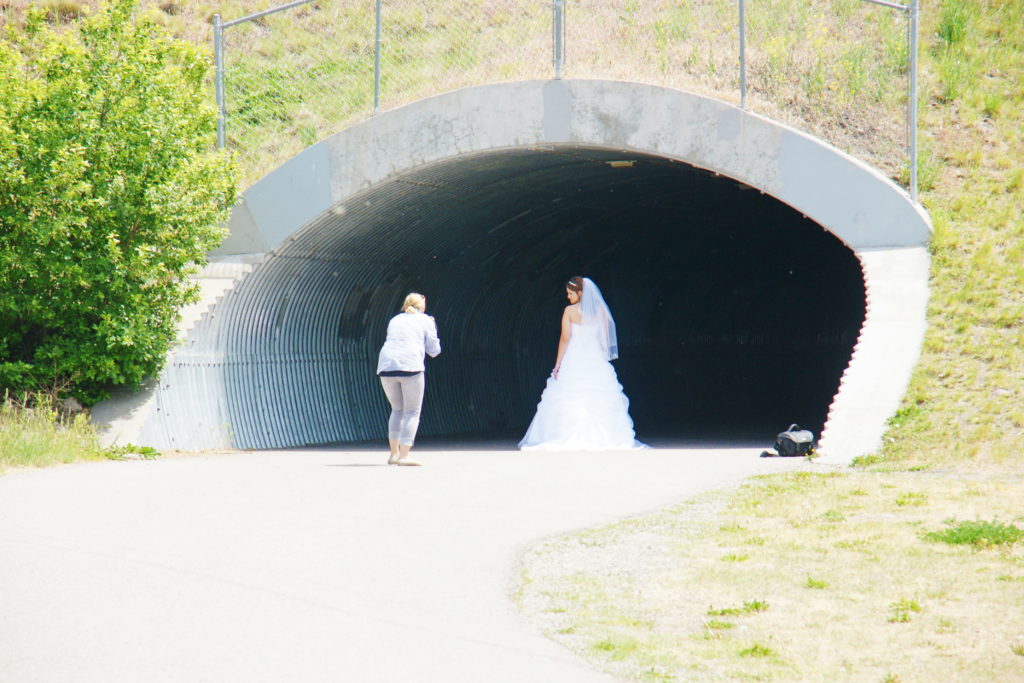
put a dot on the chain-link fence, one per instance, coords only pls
(290, 78)
(293, 77)
(296, 73)
(840, 70)
(837, 68)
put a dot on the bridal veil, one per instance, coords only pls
(595, 311)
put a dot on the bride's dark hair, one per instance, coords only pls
(575, 284)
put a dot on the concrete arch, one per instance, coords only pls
(326, 215)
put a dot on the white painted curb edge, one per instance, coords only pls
(883, 360)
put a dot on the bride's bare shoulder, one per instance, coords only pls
(573, 312)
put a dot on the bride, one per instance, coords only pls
(583, 407)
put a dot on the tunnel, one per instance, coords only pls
(758, 276)
(736, 314)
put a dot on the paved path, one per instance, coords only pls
(308, 565)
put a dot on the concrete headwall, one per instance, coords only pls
(846, 196)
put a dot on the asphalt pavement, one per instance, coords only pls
(310, 565)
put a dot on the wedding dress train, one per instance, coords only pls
(584, 409)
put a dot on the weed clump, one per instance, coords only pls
(63, 11)
(901, 610)
(757, 650)
(747, 608)
(911, 499)
(979, 534)
(36, 432)
(719, 625)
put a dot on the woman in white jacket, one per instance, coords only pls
(411, 335)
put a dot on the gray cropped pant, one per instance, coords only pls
(406, 397)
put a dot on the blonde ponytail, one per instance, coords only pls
(414, 303)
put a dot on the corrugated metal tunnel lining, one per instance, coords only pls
(736, 315)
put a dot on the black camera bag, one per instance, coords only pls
(794, 442)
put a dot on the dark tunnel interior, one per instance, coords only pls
(736, 315)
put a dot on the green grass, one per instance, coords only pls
(757, 650)
(749, 607)
(34, 433)
(616, 648)
(735, 557)
(837, 69)
(965, 406)
(900, 611)
(911, 498)
(979, 533)
(896, 604)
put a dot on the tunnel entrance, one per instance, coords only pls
(736, 315)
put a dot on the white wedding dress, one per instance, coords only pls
(585, 408)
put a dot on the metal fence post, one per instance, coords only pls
(558, 36)
(218, 58)
(376, 63)
(912, 104)
(743, 56)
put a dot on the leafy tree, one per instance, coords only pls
(110, 196)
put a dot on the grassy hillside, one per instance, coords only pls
(966, 401)
(835, 68)
(831, 67)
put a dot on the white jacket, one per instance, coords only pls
(410, 336)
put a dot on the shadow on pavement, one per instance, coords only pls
(433, 444)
